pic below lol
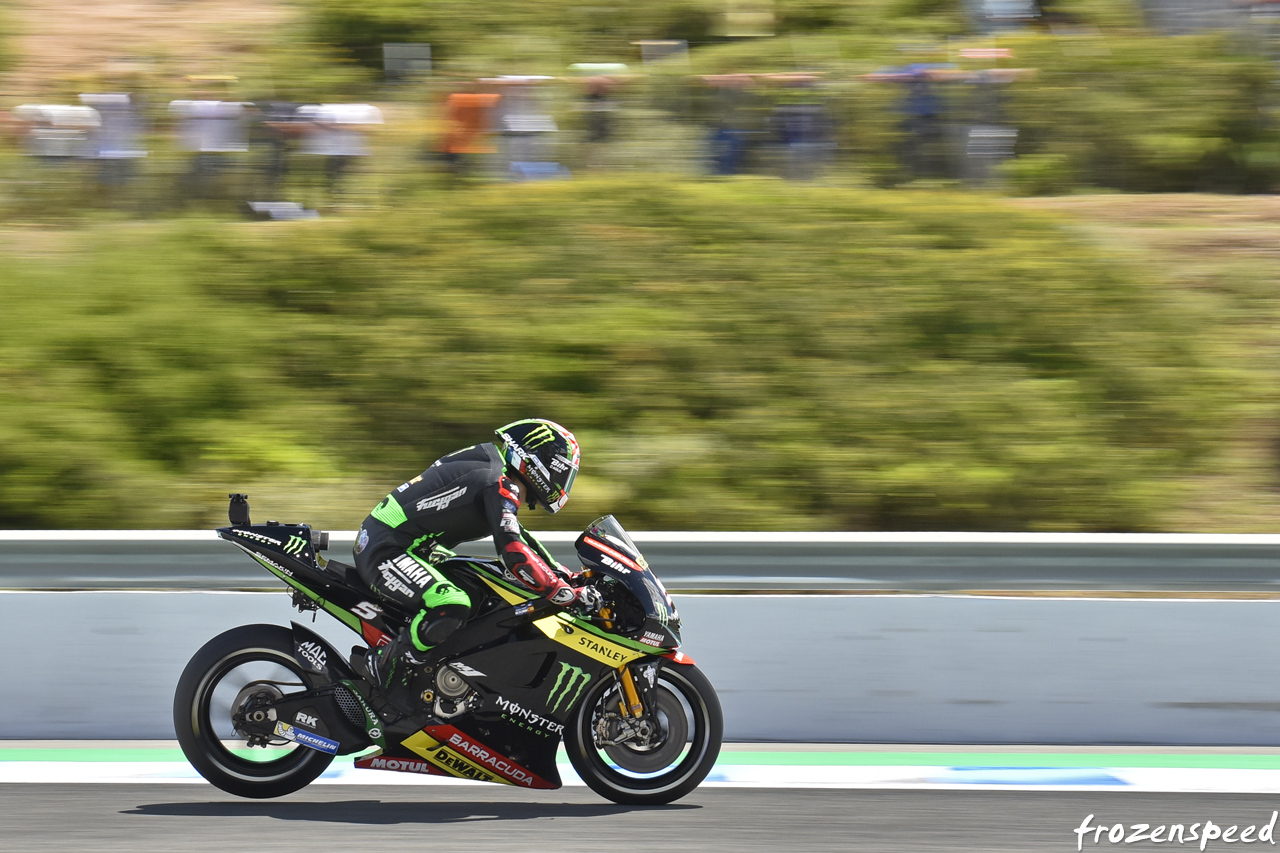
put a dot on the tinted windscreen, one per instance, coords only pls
(607, 529)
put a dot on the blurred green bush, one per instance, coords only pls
(734, 355)
(1040, 174)
(7, 33)
(1147, 113)
(457, 28)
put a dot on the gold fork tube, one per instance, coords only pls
(629, 691)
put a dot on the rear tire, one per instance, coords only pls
(693, 727)
(202, 713)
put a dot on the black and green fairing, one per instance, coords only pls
(530, 663)
(286, 551)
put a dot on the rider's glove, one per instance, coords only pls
(588, 598)
(438, 554)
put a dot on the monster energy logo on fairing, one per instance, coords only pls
(295, 545)
(576, 678)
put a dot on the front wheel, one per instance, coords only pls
(684, 742)
(228, 678)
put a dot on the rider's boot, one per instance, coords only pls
(392, 668)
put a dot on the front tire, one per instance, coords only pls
(692, 727)
(232, 670)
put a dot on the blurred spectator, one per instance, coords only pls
(730, 121)
(469, 120)
(117, 140)
(994, 15)
(802, 126)
(528, 129)
(663, 50)
(57, 133)
(337, 133)
(405, 61)
(989, 139)
(599, 107)
(923, 151)
(276, 132)
(923, 125)
(211, 130)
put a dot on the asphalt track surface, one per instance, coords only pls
(143, 817)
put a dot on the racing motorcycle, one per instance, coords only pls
(261, 710)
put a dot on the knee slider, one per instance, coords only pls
(433, 627)
(438, 630)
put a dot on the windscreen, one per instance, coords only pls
(607, 529)
(605, 547)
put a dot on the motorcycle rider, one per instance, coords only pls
(464, 495)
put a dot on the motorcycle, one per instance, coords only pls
(261, 710)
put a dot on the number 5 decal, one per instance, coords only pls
(367, 610)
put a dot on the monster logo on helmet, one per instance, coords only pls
(546, 455)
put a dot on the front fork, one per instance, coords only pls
(630, 702)
(634, 721)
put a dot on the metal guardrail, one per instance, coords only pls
(746, 561)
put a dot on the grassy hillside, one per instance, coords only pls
(1218, 255)
(732, 355)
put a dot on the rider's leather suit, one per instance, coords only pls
(460, 497)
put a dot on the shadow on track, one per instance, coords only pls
(376, 812)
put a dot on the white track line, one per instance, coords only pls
(1146, 779)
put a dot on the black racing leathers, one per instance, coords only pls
(460, 497)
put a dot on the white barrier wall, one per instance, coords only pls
(864, 668)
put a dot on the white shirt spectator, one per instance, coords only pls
(58, 130)
(212, 126)
(117, 136)
(337, 129)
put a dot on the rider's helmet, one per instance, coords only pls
(546, 457)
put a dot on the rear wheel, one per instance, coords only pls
(686, 728)
(218, 692)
